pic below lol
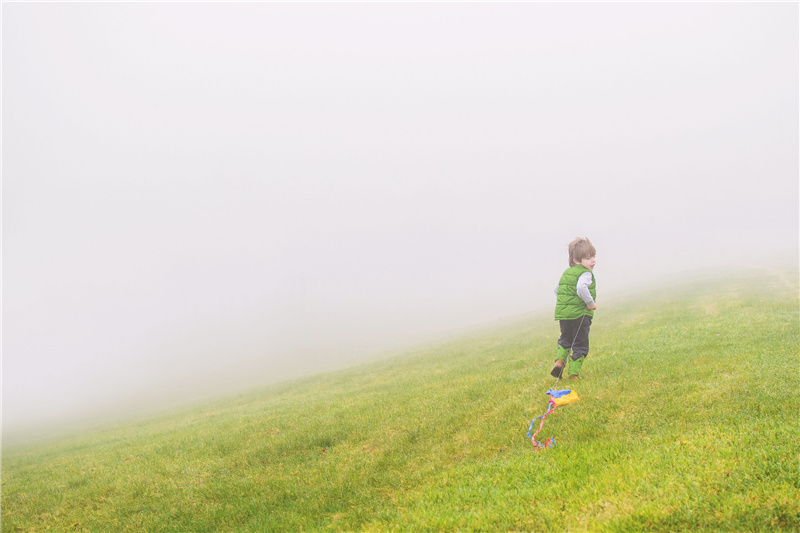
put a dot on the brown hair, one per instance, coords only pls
(580, 249)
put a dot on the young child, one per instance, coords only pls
(575, 305)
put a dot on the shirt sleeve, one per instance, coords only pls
(583, 288)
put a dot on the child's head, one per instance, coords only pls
(580, 249)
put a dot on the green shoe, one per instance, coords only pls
(561, 355)
(574, 368)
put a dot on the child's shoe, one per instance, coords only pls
(556, 372)
(561, 354)
(575, 367)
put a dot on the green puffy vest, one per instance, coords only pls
(569, 305)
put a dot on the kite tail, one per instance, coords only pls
(551, 406)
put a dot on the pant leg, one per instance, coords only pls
(567, 334)
(580, 347)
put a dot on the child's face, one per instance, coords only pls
(588, 262)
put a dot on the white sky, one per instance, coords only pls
(203, 195)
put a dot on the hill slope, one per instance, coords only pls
(688, 421)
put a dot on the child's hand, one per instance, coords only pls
(592, 308)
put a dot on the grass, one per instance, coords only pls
(687, 422)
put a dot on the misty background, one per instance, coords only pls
(204, 196)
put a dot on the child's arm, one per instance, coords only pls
(583, 290)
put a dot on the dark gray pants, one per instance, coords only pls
(578, 331)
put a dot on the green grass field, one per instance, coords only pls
(688, 421)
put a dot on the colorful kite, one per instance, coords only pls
(557, 397)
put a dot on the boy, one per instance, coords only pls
(575, 305)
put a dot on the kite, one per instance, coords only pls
(557, 397)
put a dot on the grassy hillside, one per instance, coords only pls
(688, 421)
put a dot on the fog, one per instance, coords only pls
(203, 196)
